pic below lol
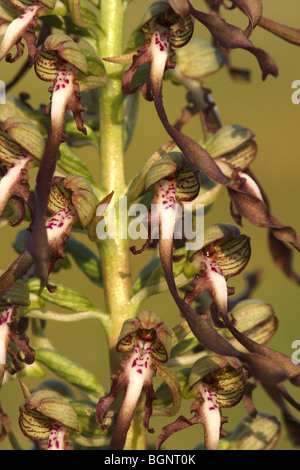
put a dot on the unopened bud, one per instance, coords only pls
(255, 319)
(198, 59)
(260, 433)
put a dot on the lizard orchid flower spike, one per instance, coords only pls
(47, 417)
(21, 148)
(148, 342)
(215, 382)
(59, 61)
(13, 340)
(23, 27)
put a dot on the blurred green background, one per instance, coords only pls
(264, 107)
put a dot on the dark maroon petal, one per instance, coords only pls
(253, 9)
(142, 57)
(283, 257)
(18, 268)
(232, 37)
(167, 431)
(287, 33)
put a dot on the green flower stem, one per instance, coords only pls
(114, 253)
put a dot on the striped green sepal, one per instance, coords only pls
(26, 134)
(34, 425)
(164, 168)
(59, 198)
(24, 4)
(255, 319)
(232, 255)
(187, 185)
(68, 50)
(160, 14)
(46, 66)
(153, 327)
(58, 410)
(230, 386)
(223, 374)
(227, 139)
(181, 32)
(243, 156)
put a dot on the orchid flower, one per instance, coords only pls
(23, 27)
(225, 254)
(215, 382)
(254, 11)
(148, 341)
(174, 182)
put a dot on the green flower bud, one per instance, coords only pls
(255, 319)
(227, 139)
(196, 60)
